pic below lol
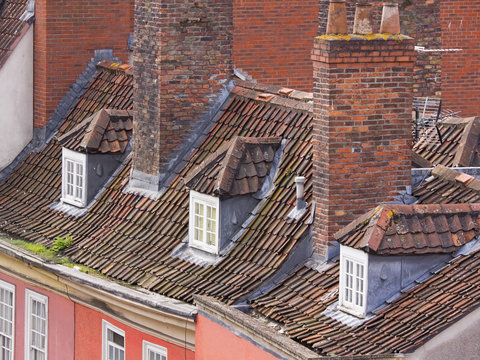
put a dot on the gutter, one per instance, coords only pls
(141, 309)
(264, 337)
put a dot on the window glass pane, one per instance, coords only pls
(6, 324)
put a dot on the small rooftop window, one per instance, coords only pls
(204, 222)
(74, 177)
(226, 186)
(353, 281)
(91, 152)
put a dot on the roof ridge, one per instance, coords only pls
(452, 176)
(110, 65)
(402, 229)
(276, 91)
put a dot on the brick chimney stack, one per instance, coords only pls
(362, 126)
(182, 65)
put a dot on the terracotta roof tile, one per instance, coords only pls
(10, 26)
(239, 167)
(413, 318)
(459, 145)
(131, 237)
(106, 131)
(444, 187)
(412, 229)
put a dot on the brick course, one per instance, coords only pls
(461, 70)
(182, 60)
(362, 121)
(66, 35)
(273, 40)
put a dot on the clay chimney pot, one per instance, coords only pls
(363, 19)
(390, 19)
(337, 18)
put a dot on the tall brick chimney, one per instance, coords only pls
(362, 126)
(182, 65)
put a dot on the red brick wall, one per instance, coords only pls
(362, 122)
(273, 40)
(66, 35)
(182, 59)
(460, 23)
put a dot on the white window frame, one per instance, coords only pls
(29, 297)
(76, 158)
(157, 349)
(204, 200)
(105, 342)
(358, 258)
(8, 288)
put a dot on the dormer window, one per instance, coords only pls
(74, 177)
(226, 186)
(91, 152)
(204, 222)
(353, 281)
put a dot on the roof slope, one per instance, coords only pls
(447, 186)
(10, 25)
(238, 167)
(459, 145)
(413, 229)
(131, 237)
(412, 319)
(401, 326)
(107, 131)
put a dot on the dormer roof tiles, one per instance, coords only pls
(413, 229)
(239, 167)
(107, 131)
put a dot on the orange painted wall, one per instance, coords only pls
(215, 342)
(88, 338)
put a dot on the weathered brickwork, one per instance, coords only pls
(362, 112)
(66, 35)
(460, 23)
(182, 61)
(273, 40)
(418, 19)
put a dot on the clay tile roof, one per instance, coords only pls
(459, 145)
(448, 186)
(106, 131)
(129, 237)
(412, 229)
(413, 318)
(11, 27)
(239, 167)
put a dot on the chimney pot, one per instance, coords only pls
(337, 18)
(390, 19)
(363, 19)
(300, 183)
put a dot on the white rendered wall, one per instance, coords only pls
(16, 100)
(458, 341)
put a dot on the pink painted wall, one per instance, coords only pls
(88, 340)
(214, 342)
(60, 321)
